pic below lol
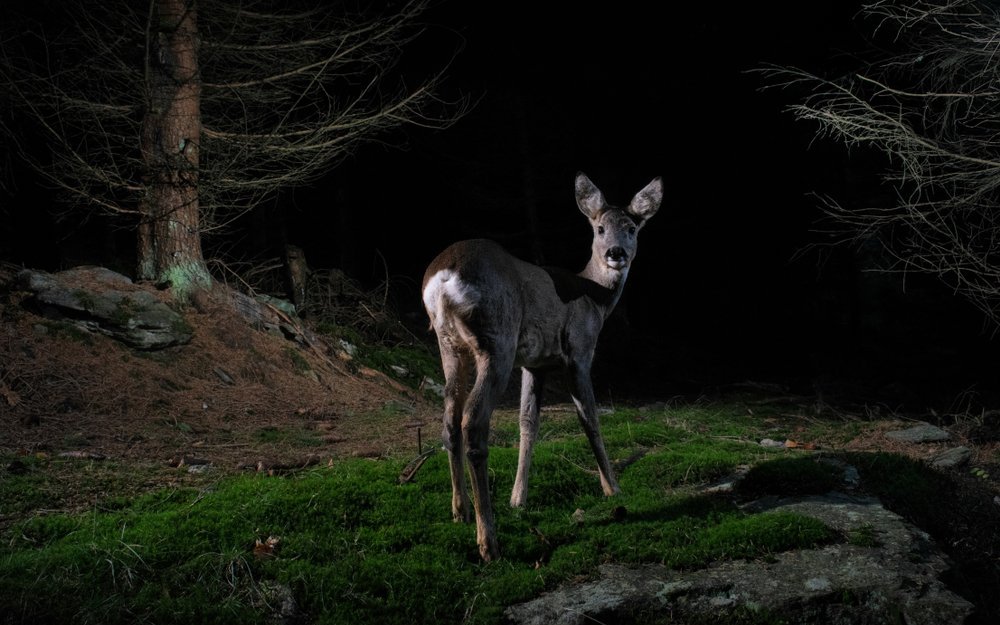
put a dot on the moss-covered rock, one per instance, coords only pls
(99, 300)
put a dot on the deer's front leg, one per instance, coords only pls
(586, 410)
(531, 400)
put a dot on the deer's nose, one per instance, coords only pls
(617, 254)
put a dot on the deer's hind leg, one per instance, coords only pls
(492, 372)
(457, 365)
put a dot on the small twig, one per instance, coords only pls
(410, 470)
(621, 465)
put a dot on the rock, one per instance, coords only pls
(223, 375)
(277, 602)
(100, 300)
(349, 348)
(851, 477)
(923, 433)
(282, 305)
(954, 457)
(896, 581)
(433, 386)
(400, 371)
(258, 314)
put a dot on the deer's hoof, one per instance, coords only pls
(490, 551)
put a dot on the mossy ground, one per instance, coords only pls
(355, 546)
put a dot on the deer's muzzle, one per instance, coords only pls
(616, 257)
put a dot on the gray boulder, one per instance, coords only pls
(949, 458)
(100, 300)
(921, 433)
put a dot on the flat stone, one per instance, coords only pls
(898, 580)
(922, 433)
(954, 457)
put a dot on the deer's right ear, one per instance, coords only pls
(588, 197)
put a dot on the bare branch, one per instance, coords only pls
(288, 90)
(934, 111)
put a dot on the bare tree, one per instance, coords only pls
(182, 115)
(931, 104)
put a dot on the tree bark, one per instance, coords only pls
(169, 242)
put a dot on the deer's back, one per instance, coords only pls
(507, 302)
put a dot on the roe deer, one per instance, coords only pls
(492, 312)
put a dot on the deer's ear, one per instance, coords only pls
(588, 197)
(646, 202)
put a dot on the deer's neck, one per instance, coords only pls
(611, 281)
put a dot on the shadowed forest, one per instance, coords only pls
(734, 281)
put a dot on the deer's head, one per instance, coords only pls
(616, 229)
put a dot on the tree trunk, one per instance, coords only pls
(169, 241)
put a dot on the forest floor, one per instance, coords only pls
(238, 400)
(234, 399)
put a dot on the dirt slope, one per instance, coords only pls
(233, 396)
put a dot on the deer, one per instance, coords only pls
(492, 312)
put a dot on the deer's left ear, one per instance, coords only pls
(646, 202)
(588, 197)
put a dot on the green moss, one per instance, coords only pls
(790, 477)
(863, 536)
(354, 544)
(185, 279)
(85, 299)
(407, 363)
(124, 311)
(908, 487)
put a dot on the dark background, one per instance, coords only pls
(728, 285)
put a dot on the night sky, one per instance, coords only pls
(723, 289)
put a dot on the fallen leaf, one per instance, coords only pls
(790, 444)
(8, 393)
(266, 548)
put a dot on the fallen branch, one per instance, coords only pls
(410, 470)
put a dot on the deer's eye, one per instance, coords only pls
(631, 230)
(600, 229)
